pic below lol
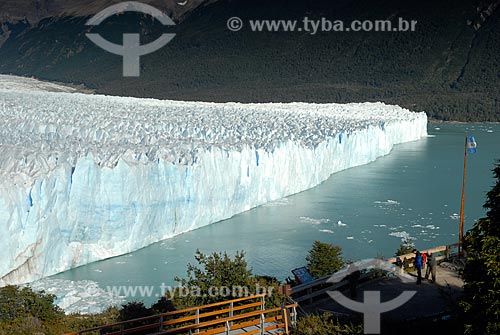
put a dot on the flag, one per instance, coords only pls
(471, 145)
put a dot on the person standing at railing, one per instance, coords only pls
(400, 265)
(424, 260)
(418, 265)
(431, 267)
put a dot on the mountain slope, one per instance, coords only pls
(449, 67)
(34, 11)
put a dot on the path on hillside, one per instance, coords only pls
(430, 298)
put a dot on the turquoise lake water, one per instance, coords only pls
(414, 191)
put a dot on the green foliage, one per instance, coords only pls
(134, 310)
(481, 300)
(163, 305)
(271, 285)
(324, 259)
(16, 302)
(216, 270)
(25, 312)
(218, 273)
(75, 322)
(405, 248)
(324, 325)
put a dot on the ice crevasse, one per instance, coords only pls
(88, 177)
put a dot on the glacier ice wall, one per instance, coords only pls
(87, 177)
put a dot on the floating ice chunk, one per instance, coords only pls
(84, 297)
(403, 235)
(312, 221)
(387, 202)
(326, 231)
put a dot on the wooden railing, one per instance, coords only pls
(309, 291)
(447, 250)
(223, 317)
(319, 287)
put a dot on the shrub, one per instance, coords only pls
(134, 310)
(219, 270)
(16, 302)
(405, 248)
(324, 259)
(323, 324)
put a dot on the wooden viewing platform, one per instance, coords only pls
(238, 316)
(317, 289)
(430, 303)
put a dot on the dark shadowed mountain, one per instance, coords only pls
(35, 10)
(449, 67)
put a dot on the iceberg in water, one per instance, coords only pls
(88, 177)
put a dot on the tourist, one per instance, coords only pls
(431, 267)
(424, 260)
(418, 265)
(400, 265)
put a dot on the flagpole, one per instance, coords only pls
(461, 231)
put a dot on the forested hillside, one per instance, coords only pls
(449, 67)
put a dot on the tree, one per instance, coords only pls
(134, 310)
(481, 299)
(324, 259)
(405, 247)
(220, 278)
(217, 271)
(163, 305)
(27, 312)
(16, 302)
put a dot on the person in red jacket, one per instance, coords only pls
(424, 260)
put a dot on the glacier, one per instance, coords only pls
(87, 177)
